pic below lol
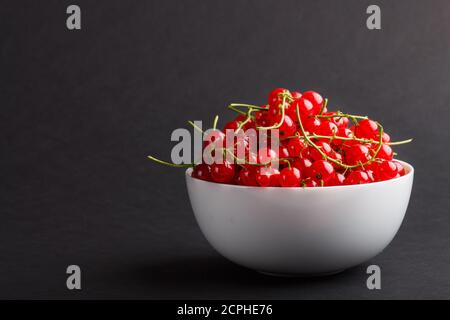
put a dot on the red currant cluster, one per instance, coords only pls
(317, 147)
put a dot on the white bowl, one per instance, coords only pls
(300, 231)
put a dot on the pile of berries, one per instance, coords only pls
(317, 147)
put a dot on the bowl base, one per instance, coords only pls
(300, 275)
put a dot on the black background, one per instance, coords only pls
(80, 110)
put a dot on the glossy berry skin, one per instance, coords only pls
(386, 170)
(366, 129)
(268, 177)
(312, 125)
(385, 152)
(322, 170)
(304, 165)
(288, 126)
(357, 177)
(296, 95)
(340, 122)
(283, 153)
(305, 107)
(222, 172)
(337, 180)
(328, 128)
(275, 96)
(357, 153)
(400, 169)
(310, 183)
(385, 138)
(295, 147)
(290, 177)
(202, 171)
(324, 147)
(316, 100)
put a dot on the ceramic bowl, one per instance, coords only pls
(300, 231)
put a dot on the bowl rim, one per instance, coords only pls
(408, 168)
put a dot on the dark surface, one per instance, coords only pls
(80, 110)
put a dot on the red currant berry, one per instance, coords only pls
(295, 147)
(340, 122)
(232, 125)
(387, 170)
(322, 170)
(305, 106)
(290, 177)
(288, 126)
(366, 129)
(275, 97)
(316, 100)
(304, 165)
(268, 177)
(337, 180)
(385, 138)
(385, 152)
(324, 147)
(310, 183)
(312, 125)
(327, 128)
(357, 177)
(357, 153)
(202, 171)
(296, 95)
(400, 169)
(248, 177)
(222, 172)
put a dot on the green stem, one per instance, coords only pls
(342, 115)
(184, 165)
(216, 119)
(195, 126)
(325, 103)
(233, 106)
(243, 123)
(396, 143)
(276, 126)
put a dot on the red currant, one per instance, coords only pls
(387, 170)
(202, 171)
(366, 129)
(268, 177)
(248, 177)
(290, 177)
(310, 183)
(322, 170)
(275, 97)
(222, 172)
(324, 147)
(232, 125)
(304, 165)
(357, 177)
(305, 106)
(357, 153)
(295, 147)
(288, 126)
(400, 169)
(385, 152)
(316, 100)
